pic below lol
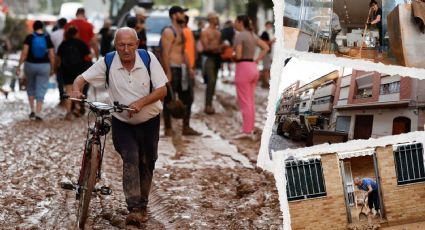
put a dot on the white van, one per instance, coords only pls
(69, 9)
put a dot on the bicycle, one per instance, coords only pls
(90, 171)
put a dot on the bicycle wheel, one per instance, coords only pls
(89, 180)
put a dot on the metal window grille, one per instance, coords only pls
(304, 179)
(409, 162)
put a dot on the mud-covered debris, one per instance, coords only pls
(245, 187)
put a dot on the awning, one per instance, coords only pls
(356, 153)
(365, 81)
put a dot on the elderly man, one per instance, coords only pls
(370, 186)
(135, 135)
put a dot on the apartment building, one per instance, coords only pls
(370, 104)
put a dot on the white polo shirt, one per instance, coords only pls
(127, 87)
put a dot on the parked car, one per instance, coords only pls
(154, 24)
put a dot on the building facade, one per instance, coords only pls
(324, 203)
(370, 104)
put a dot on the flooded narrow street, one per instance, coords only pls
(205, 182)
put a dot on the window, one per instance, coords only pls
(364, 93)
(393, 87)
(343, 124)
(409, 162)
(323, 100)
(304, 179)
(304, 104)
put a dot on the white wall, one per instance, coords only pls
(382, 119)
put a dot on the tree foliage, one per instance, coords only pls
(15, 31)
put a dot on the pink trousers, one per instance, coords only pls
(246, 78)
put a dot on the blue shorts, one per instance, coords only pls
(37, 75)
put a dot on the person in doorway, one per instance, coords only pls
(376, 19)
(335, 29)
(57, 38)
(135, 135)
(176, 66)
(268, 37)
(371, 187)
(39, 56)
(212, 45)
(247, 74)
(70, 58)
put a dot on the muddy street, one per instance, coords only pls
(205, 182)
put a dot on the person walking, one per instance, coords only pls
(371, 187)
(141, 16)
(135, 135)
(247, 74)
(86, 34)
(212, 45)
(39, 57)
(57, 38)
(71, 56)
(268, 37)
(106, 36)
(198, 47)
(227, 36)
(176, 66)
(85, 31)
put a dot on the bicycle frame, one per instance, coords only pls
(100, 128)
(93, 137)
(90, 171)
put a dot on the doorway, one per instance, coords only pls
(363, 126)
(362, 167)
(401, 125)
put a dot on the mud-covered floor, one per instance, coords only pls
(207, 182)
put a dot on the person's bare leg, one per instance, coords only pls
(39, 105)
(68, 103)
(31, 100)
(266, 79)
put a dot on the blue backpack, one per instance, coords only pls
(144, 55)
(38, 45)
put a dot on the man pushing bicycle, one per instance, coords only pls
(134, 78)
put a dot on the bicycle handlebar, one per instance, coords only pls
(116, 107)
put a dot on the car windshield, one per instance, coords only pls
(156, 24)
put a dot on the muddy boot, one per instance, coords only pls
(188, 131)
(137, 217)
(144, 215)
(209, 109)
